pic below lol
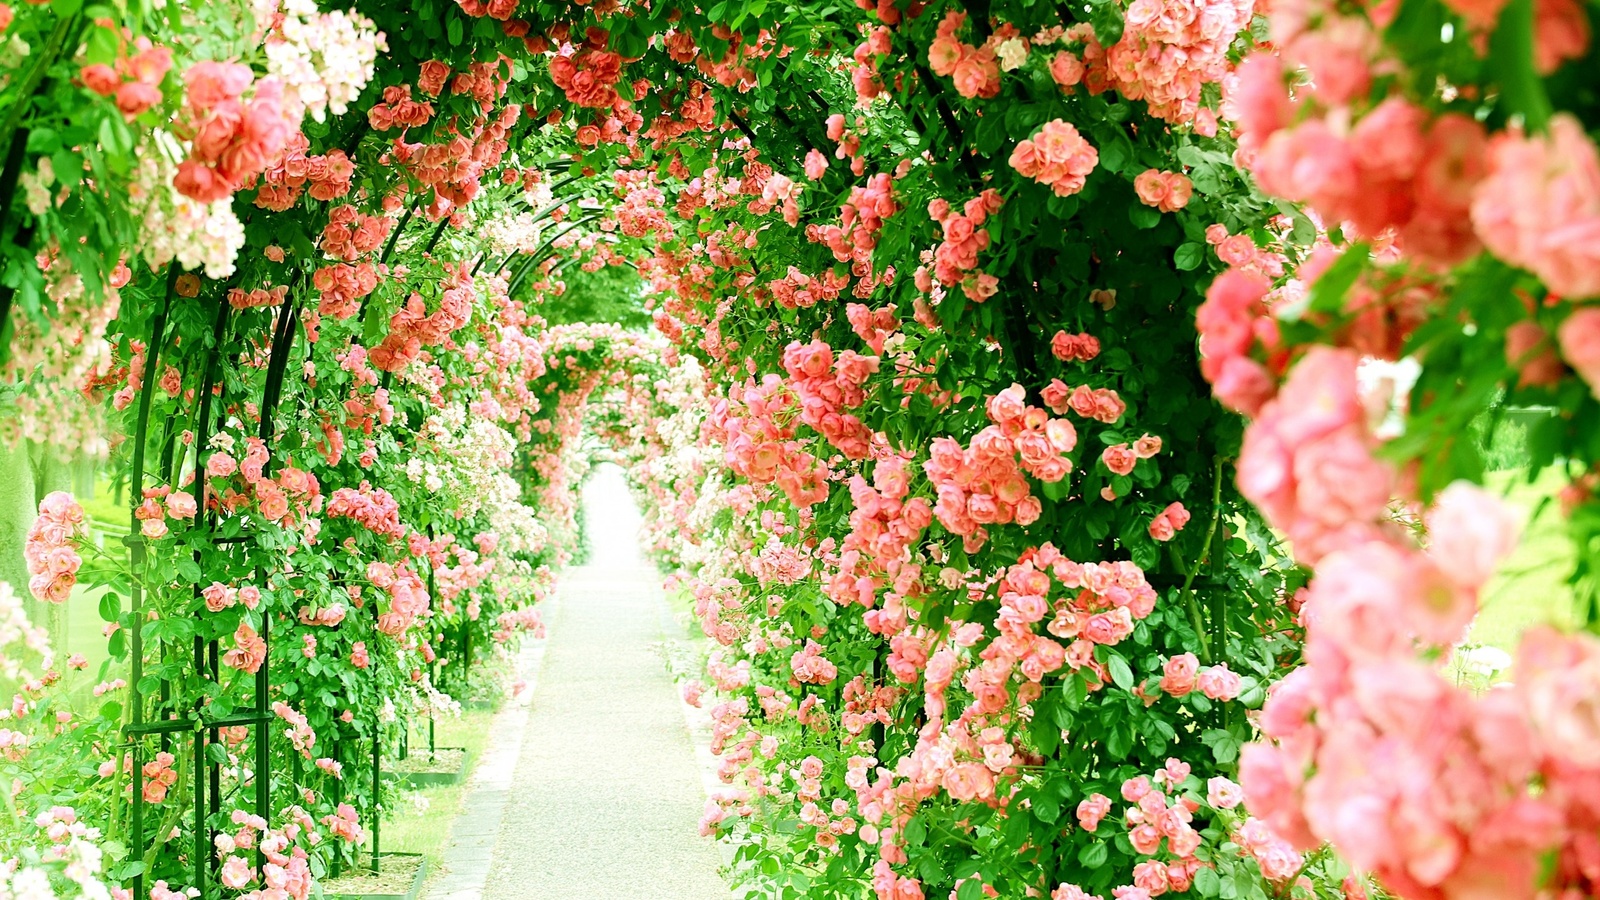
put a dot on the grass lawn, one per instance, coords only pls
(1531, 587)
(420, 822)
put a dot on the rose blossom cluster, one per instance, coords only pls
(1069, 347)
(408, 596)
(413, 327)
(975, 71)
(983, 484)
(962, 239)
(1056, 156)
(373, 508)
(1166, 524)
(48, 549)
(758, 448)
(588, 73)
(1098, 404)
(249, 650)
(134, 84)
(825, 384)
(349, 234)
(234, 483)
(1436, 790)
(1166, 191)
(884, 524)
(1169, 51)
(1320, 121)
(325, 176)
(234, 138)
(1233, 322)
(342, 286)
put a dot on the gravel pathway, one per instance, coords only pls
(607, 793)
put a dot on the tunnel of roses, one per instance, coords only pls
(1079, 426)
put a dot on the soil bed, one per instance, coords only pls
(396, 877)
(443, 761)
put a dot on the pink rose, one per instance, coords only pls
(1091, 810)
(1221, 793)
(209, 83)
(1470, 530)
(100, 78)
(181, 505)
(1218, 683)
(1119, 458)
(1579, 337)
(1178, 675)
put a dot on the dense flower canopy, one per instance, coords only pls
(1058, 417)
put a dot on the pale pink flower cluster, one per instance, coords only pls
(345, 824)
(52, 562)
(983, 483)
(199, 235)
(15, 631)
(323, 59)
(811, 667)
(1539, 206)
(299, 732)
(1437, 791)
(1056, 156)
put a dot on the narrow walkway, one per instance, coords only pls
(607, 793)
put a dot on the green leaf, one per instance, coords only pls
(1093, 855)
(110, 606)
(66, 7)
(1115, 150)
(188, 569)
(1144, 216)
(1327, 294)
(971, 889)
(1121, 674)
(217, 753)
(916, 831)
(454, 31)
(1511, 59)
(1206, 882)
(1189, 256)
(1046, 807)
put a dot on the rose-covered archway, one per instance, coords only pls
(1003, 591)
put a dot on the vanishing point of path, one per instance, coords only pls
(606, 795)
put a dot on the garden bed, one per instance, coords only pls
(399, 877)
(444, 765)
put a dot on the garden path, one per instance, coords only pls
(606, 795)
